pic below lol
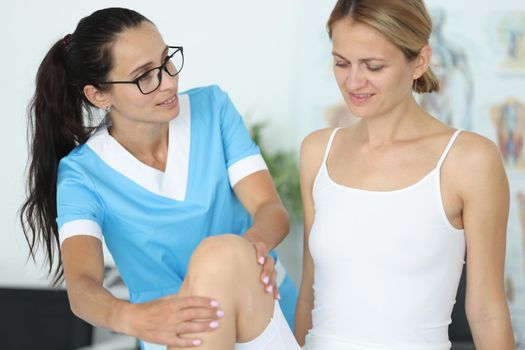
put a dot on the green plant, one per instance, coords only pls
(284, 168)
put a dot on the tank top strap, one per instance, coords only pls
(329, 144)
(447, 149)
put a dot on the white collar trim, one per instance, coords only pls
(171, 183)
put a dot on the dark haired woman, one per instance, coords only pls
(393, 202)
(163, 172)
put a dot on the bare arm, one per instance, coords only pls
(270, 222)
(84, 273)
(312, 151)
(160, 321)
(270, 219)
(485, 193)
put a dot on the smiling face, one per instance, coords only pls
(373, 74)
(136, 51)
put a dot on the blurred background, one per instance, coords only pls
(273, 58)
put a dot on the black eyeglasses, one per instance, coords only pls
(151, 80)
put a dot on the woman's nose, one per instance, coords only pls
(167, 81)
(355, 79)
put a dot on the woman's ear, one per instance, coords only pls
(422, 61)
(96, 97)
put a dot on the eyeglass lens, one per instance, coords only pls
(150, 81)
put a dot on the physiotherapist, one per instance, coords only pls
(161, 172)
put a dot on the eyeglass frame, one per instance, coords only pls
(161, 68)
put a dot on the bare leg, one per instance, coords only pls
(225, 268)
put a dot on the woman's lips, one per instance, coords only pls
(359, 99)
(170, 102)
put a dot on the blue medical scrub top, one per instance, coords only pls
(150, 220)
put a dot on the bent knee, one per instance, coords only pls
(227, 252)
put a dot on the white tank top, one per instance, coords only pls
(386, 265)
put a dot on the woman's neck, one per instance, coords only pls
(404, 122)
(146, 142)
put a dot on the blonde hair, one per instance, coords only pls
(405, 23)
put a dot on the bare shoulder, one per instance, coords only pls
(313, 148)
(316, 140)
(314, 145)
(473, 151)
(476, 165)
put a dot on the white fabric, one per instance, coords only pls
(386, 265)
(171, 183)
(244, 167)
(79, 227)
(276, 336)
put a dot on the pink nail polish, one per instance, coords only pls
(269, 289)
(266, 279)
(214, 324)
(261, 260)
(220, 313)
(196, 342)
(214, 303)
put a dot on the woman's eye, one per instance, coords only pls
(341, 64)
(374, 68)
(146, 76)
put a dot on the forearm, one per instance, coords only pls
(305, 302)
(492, 331)
(270, 225)
(93, 303)
(303, 320)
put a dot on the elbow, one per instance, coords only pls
(488, 315)
(74, 305)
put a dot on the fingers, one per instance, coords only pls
(261, 251)
(196, 301)
(269, 278)
(268, 275)
(192, 314)
(184, 343)
(171, 320)
(272, 286)
(186, 328)
(194, 320)
(276, 295)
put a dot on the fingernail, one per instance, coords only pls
(196, 342)
(266, 279)
(261, 260)
(278, 296)
(269, 289)
(214, 303)
(220, 313)
(214, 324)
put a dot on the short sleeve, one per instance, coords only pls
(243, 157)
(79, 209)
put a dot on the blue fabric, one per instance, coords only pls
(289, 295)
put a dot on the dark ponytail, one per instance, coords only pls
(60, 118)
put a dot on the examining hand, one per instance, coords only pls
(168, 320)
(268, 274)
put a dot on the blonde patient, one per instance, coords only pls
(397, 203)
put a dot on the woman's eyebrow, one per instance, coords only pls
(143, 66)
(364, 60)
